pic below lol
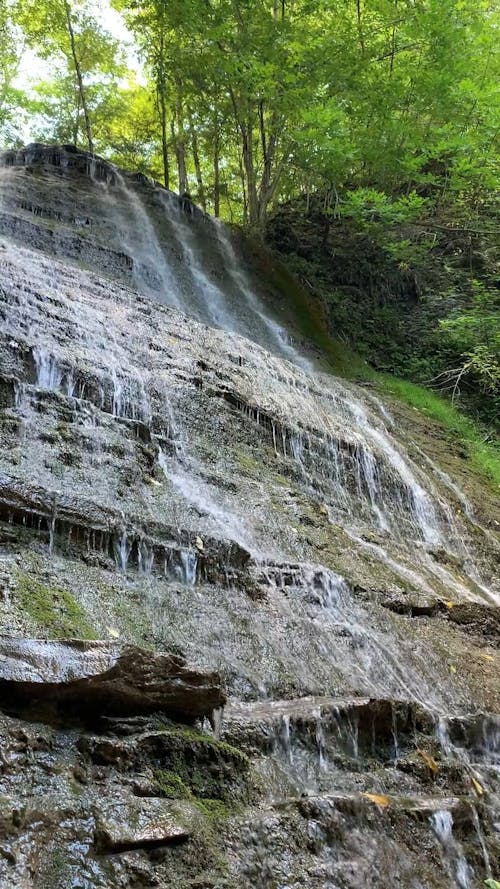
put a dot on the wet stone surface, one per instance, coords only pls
(191, 511)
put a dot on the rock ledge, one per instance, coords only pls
(103, 678)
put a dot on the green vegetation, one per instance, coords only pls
(248, 104)
(172, 786)
(193, 736)
(479, 444)
(247, 463)
(213, 808)
(484, 455)
(55, 611)
(354, 138)
(200, 766)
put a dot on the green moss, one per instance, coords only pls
(247, 463)
(52, 609)
(207, 768)
(215, 809)
(282, 481)
(65, 432)
(193, 735)
(171, 785)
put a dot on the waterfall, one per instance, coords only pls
(173, 461)
(276, 335)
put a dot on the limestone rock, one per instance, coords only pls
(133, 824)
(104, 677)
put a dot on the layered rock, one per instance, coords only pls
(102, 677)
(176, 477)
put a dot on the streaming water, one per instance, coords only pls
(442, 825)
(132, 376)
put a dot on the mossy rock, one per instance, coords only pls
(53, 610)
(205, 767)
(171, 785)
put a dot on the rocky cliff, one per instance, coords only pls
(249, 615)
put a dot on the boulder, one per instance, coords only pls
(124, 824)
(102, 678)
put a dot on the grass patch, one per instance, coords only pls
(54, 610)
(483, 455)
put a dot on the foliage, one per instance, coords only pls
(483, 454)
(254, 102)
(377, 119)
(472, 337)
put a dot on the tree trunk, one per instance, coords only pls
(76, 125)
(78, 71)
(197, 165)
(180, 146)
(244, 190)
(164, 138)
(360, 27)
(250, 175)
(216, 170)
(161, 92)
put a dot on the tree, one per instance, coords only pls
(85, 56)
(11, 52)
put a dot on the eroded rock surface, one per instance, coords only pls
(176, 475)
(103, 677)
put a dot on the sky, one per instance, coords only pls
(33, 69)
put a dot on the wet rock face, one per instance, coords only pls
(125, 825)
(64, 157)
(178, 482)
(101, 677)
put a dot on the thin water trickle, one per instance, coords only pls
(189, 561)
(278, 336)
(442, 825)
(122, 547)
(48, 372)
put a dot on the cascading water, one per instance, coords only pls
(259, 515)
(442, 825)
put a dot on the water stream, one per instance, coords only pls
(157, 384)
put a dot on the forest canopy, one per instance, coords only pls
(246, 102)
(378, 115)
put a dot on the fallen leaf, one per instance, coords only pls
(199, 544)
(378, 798)
(154, 481)
(477, 786)
(453, 669)
(487, 657)
(429, 761)
(449, 605)
(113, 633)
